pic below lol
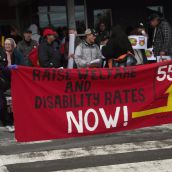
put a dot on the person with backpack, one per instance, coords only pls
(49, 50)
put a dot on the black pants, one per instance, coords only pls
(5, 117)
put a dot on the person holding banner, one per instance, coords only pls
(162, 39)
(118, 50)
(48, 51)
(5, 117)
(87, 53)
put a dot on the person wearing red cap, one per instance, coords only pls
(49, 32)
(48, 51)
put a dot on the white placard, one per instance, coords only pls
(71, 50)
(149, 54)
(138, 42)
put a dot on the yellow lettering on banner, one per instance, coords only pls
(163, 109)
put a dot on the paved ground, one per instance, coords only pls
(145, 150)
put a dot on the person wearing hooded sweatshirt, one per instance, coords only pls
(35, 33)
(5, 117)
(27, 45)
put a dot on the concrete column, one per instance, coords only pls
(71, 14)
(85, 13)
(72, 29)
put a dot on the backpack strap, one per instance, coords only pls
(110, 61)
(123, 56)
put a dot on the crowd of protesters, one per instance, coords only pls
(98, 49)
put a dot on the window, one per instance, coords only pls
(103, 15)
(53, 15)
(56, 16)
(43, 17)
(80, 19)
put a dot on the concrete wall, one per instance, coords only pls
(124, 12)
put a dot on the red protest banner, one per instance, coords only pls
(63, 103)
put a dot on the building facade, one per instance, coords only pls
(53, 13)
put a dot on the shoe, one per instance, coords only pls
(11, 129)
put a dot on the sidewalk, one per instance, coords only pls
(113, 151)
(6, 138)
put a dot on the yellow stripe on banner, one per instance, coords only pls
(164, 109)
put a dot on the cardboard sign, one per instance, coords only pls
(150, 55)
(138, 42)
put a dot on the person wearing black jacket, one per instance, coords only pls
(48, 51)
(5, 75)
(118, 45)
(162, 38)
(3, 58)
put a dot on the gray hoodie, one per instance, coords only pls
(35, 35)
(85, 53)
